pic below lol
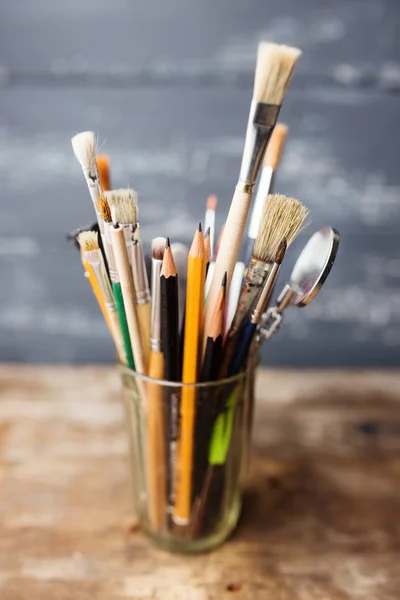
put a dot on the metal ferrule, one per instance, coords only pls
(256, 275)
(142, 290)
(284, 298)
(155, 319)
(265, 294)
(261, 123)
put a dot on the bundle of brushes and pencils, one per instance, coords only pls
(187, 333)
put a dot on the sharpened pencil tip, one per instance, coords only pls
(207, 233)
(200, 228)
(167, 243)
(224, 279)
(280, 253)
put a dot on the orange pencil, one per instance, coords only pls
(191, 355)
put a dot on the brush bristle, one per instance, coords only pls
(274, 70)
(280, 253)
(105, 210)
(124, 203)
(84, 147)
(212, 202)
(88, 241)
(283, 218)
(158, 247)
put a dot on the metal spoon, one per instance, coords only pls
(307, 278)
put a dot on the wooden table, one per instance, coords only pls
(322, 510)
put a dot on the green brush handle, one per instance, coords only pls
(123, 324)
(222, 432)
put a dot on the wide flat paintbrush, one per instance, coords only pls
(275, 65)
(124, 201)
(283, 218)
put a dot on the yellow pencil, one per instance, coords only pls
(191, 354)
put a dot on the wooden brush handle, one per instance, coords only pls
(156, 450)
(128, 293)
(117, 336)
(229, 249)
(143, 311)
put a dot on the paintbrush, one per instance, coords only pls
(142, 290)
(283, 218)
(124, 203)
(271, 162)
(209, 222)
(84, 147)
(248, 331)
(128, 293)
(90, 246)
(156, 446)
(274, 70)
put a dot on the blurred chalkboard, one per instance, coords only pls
(167, 87)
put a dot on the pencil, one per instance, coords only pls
(172, 366)
(193, 322)
(206, 413)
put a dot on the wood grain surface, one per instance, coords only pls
(321, 513)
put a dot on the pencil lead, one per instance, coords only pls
(199, 228)
(224, 279)
(207, 233)
(167, 243)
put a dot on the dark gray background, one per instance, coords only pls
(167, 85)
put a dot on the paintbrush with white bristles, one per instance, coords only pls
(123, 203)
(282, 219)
(92, 256)
(274, 70)
(84, 147)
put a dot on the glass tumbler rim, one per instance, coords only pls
(179, 384)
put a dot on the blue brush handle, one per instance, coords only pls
(242, 348)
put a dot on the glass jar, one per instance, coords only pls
(188, 454)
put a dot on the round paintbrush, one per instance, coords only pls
(283, 218)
